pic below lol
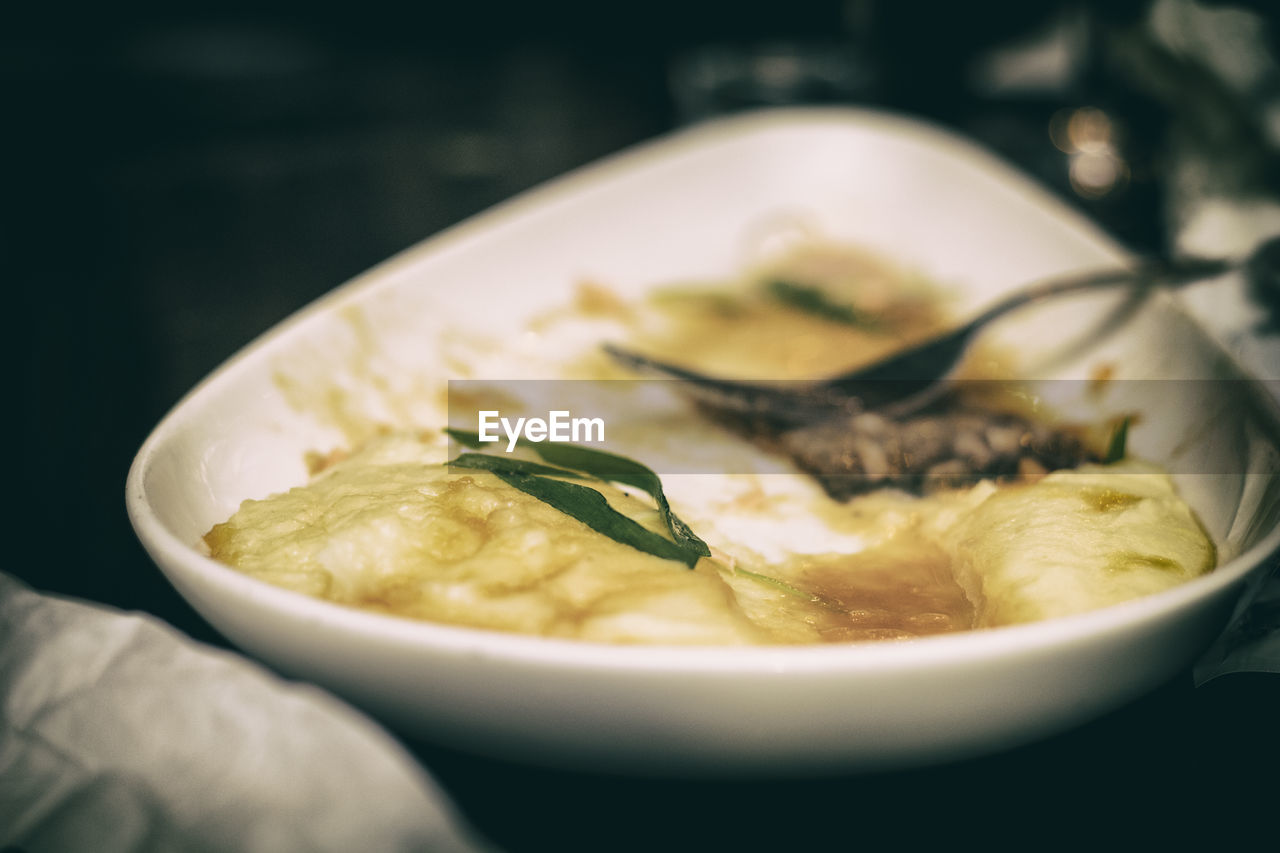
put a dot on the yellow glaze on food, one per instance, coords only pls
(746, 331)
(389, 530)
(1074, 541)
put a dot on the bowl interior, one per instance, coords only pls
(697, 205)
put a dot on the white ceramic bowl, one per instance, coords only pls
(688, 206)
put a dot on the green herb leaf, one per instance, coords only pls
(605, 466)
(1119, 438)
(812, 300)
(500, 464)
(592, 509)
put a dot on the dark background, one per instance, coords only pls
(177, 181)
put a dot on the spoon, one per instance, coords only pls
(913, 377)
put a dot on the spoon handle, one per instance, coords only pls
(1171, 273)
(933, 359)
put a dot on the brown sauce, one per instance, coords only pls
(896, 591)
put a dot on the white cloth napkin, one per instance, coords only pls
(119, 734)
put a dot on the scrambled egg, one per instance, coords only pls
(387, 529)
(390, 529)
(1074, 541)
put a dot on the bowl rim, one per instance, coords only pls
(176, 557)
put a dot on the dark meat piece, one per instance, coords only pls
(948, 447)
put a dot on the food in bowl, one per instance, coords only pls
(857, 533)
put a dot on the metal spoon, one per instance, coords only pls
(911, 378)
